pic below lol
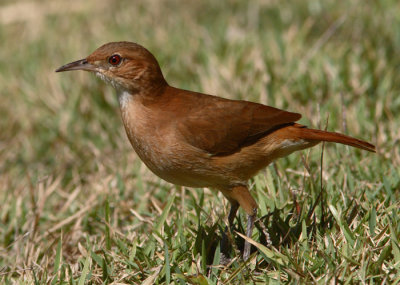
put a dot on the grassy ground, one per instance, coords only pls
(78, 206)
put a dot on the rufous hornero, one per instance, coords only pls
(197, 140)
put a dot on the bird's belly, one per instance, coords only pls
(181, 179)
(180, 171)
(174, 162)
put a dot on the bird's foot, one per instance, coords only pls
(249, 232)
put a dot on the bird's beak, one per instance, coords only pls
(82, 64)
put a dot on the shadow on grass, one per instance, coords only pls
(282, 232)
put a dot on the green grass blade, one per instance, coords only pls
(85, 270)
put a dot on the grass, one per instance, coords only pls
(77, 205)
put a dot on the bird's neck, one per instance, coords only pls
(127, 96)
(138, 120)
(124, 98)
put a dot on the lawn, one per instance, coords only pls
(77, 205)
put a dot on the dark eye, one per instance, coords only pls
(114, 59)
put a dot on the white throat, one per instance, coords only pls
(124, 98)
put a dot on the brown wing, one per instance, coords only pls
(218, 125)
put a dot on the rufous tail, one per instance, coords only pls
(319, 135)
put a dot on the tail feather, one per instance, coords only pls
(319, 135)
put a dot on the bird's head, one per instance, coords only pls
(127, 66)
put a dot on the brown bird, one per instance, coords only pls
(198, 140)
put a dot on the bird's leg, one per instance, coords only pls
(232, 213)
(225, 240)
(242, 195)
(249, 232)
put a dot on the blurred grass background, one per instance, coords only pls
(77, 205)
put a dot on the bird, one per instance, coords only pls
(197, 140)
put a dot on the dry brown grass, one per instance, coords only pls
(76, 203)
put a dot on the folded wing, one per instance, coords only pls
(219, 126)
